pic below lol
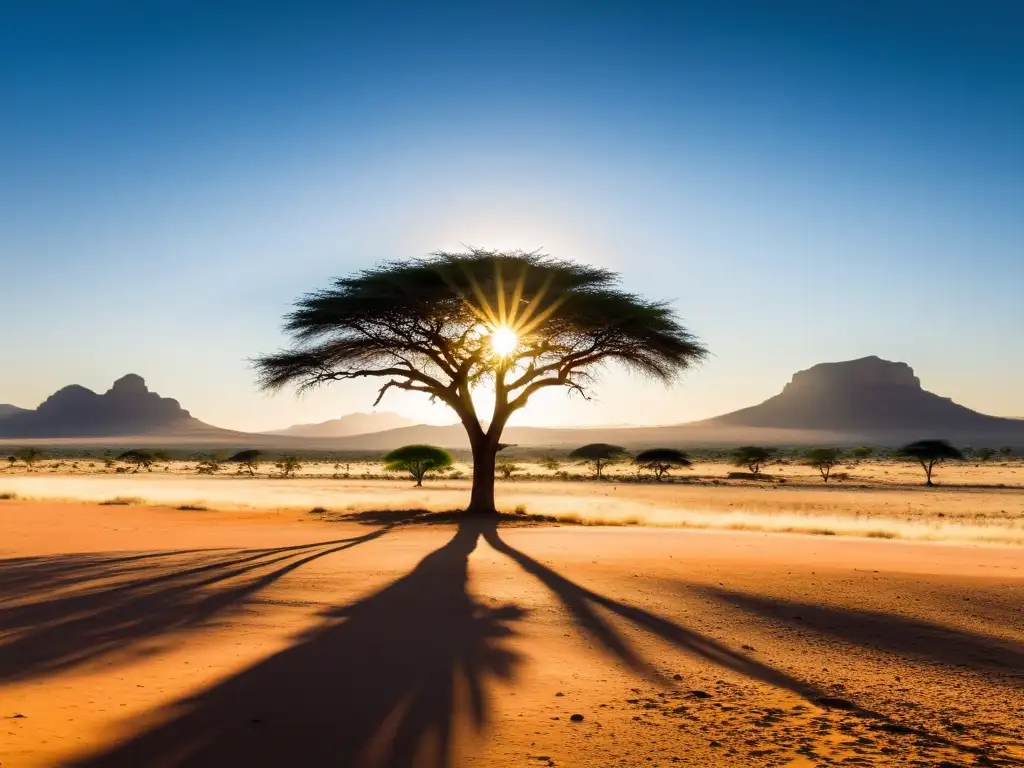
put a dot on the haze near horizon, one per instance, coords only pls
(808, 184)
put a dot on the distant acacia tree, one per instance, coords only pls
(661, 460)
(862, 452)
(29, 456)
(753, 457)
(288, 465)
(138, 458)
(248, 460)
(550, 463)
(507, 468)
(11, 461)
(929, 453)
(598, 455)
(1006, 451)
(418, 460)
(516, 322)
(823, 460)
(985, 453)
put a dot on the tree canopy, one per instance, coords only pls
(929, 453)
(661, 460)
(753, 457)
(140, 458)
(418, 460)
(444, 325)
(598, 455)
(248, 459)
(823, 460)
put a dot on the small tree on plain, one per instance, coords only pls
(288, 465)
(753, 457)
(823, 460)
(249, 460)
(862, 452)
(11, 461)
(139, 458)
(551, 464)
(662, 460)
(507, 468)
(1006, 451)
(598, 455)
(209, 466)
(929, 453)
(29, 456)
(984, 454)
(418, 460)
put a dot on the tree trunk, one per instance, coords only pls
(484, 458)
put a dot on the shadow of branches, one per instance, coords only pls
(384, 681)
(60, 612)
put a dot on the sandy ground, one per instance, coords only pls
(974, 503)
(144, 636)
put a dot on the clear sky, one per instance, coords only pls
(809, 181)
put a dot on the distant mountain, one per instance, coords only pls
(869, 396)
(10, 410)
(350, 424)
(127, 408)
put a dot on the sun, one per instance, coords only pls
(504, 341)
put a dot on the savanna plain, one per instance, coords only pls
(340, 617)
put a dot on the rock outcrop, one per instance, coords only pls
(865, 395)
(127, 408)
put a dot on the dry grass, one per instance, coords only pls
(884, 500)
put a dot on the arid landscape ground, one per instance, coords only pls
(255, 630)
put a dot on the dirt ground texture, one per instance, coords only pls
(151, 636)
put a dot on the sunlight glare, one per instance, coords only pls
(504, 341)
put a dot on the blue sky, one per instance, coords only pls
(808, 181)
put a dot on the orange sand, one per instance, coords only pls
(139, 636)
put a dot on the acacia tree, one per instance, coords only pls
(30, 456)
(929, 453)
(753, 457)
(248, 459)
(599, 455)
(418, 460)
(823, 460)
(661, 460)
(139, 458)
(457, 323)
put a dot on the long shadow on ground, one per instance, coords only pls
(381, 681)
(60, 612)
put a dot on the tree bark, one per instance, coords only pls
(485, 454)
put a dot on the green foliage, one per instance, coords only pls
(753, 457)
(248, 459)
(139, 458)
(1006, 451)
(209, 466)
(550, 463)
(929, 453)
(598, 455)
(823, 460)
(288, 465)
(985, 453)
(661, 460)
(862, 452)
(418, 460)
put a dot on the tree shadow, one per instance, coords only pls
(885, 631)
(60, 612)
(581, 603)
(387, 680)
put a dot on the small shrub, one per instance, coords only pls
(520, 509)
(880, 535)
(8, 496)
(122, 501)
(192, 508)
(317, 511)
